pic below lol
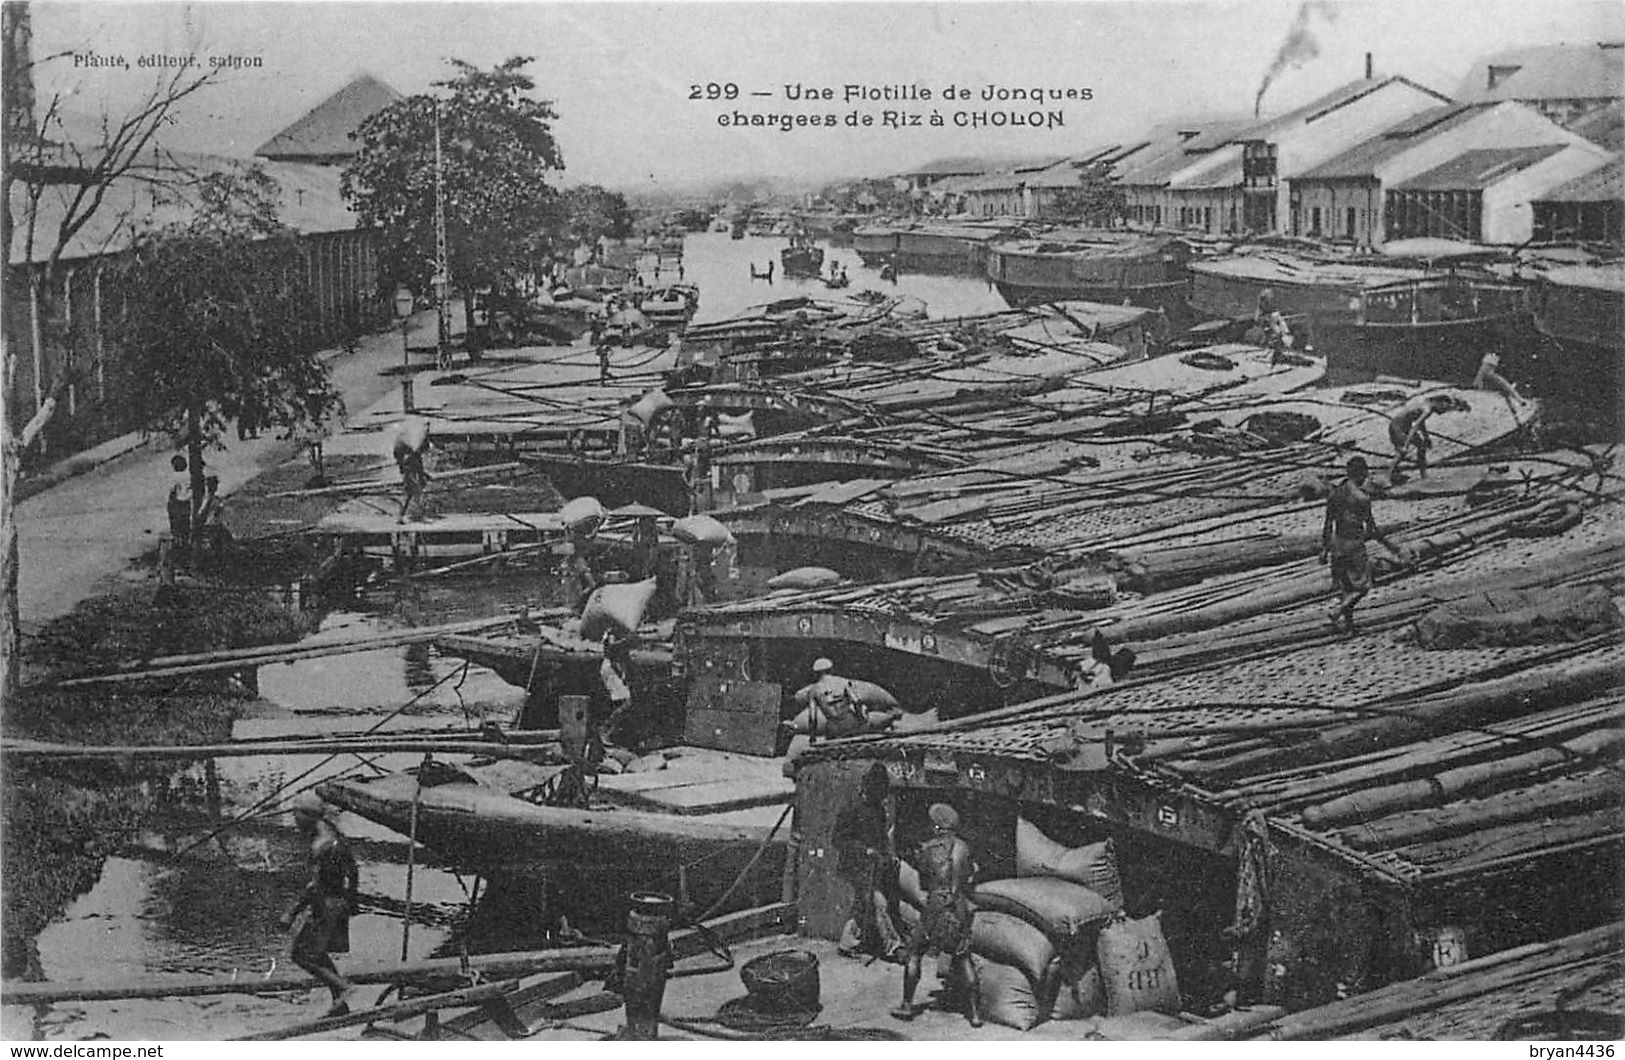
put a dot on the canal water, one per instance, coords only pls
(198, 885)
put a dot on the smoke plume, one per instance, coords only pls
(1299, 47)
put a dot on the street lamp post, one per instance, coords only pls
(404, 302)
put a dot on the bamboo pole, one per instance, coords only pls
(235, 659)
(27, 750)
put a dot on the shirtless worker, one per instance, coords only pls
(410, 445)
(946, 870)
(321, 917)
(835, 710)
(1408, 431)
(1348, 527)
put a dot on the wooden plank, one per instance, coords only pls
(588, 960)
(415, 1007)
(1471, 979)
(540, 990)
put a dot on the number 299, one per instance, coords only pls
(713, 90)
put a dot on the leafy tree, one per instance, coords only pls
(497, 153)
(213, 325)
(591, 211)
(862, 196)
(1097, 201)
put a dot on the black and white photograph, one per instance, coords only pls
(964, 521)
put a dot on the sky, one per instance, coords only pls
(621, 75)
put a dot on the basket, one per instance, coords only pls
(782, 980)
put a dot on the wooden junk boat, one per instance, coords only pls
(1581, 310)
(1424, 308)
(1460, 759)
(689, 819)
(1147, 269)
(671, 307)
(802, 257)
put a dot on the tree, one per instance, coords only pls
(497, 151)
(1097, 201)
(212, 322)
(65, 185)
(868, 196)
(591, 211)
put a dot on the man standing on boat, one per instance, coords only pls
(862, 840)
(946, 870)
(615, 673)
(835, 709)
(410, 445)
(1348, 527)
(1408, 431)
(321, 917)
(1276, 335)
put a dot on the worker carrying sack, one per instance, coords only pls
(650, 405)
(583, 515)
(1136, 969)
(617, 607)
(1094, 865)
(701, 530)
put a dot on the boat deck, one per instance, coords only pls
(856, 995)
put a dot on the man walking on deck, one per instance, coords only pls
(1343, 537)
(321, 917)
(946, 870)
(862, 839)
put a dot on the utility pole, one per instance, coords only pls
(442, 263)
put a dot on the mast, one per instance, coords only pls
(442, 264)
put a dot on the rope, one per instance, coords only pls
(277, 792)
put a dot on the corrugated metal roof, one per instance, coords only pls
(1604, 184)
(1064, 175)
(1604, 126)
(1219, 169)
(325, 130)
(1363, 159)
(1479, 168)
(1331, 102)
(1155, 168)
(1553, 71)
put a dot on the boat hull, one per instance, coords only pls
(802, 261)
(1435, 326)
(475, 826)
(1153, 276)
(616, 482)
